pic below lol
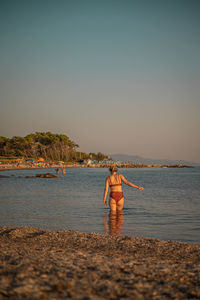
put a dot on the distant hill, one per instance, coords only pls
(142, 160)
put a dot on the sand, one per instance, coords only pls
(40, 264)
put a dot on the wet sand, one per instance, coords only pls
(40, 264)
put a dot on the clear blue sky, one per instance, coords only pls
(115, 76)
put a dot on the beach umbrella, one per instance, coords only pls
(29, 159)
(41, 159)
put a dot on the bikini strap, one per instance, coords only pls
(118, 180)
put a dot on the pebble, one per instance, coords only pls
(40, 264)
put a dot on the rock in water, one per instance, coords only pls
(3, 176)
(47, 175)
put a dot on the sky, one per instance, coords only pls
(116, 76)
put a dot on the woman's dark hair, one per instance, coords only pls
(113, 169)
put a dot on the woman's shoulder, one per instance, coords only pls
(121, 176)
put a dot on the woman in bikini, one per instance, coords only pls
(114, 181)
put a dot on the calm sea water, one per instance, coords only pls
(167, 208)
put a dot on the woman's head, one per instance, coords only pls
(113, 169)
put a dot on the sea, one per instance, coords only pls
(168, 208)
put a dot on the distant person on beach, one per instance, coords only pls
(57, 171)
(114, 182)
(63, 170)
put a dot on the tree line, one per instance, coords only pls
(50, 146)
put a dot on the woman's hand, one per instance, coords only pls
(140, 188)
(105, 202)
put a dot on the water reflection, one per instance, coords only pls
(114, 223)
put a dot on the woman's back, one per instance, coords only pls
(115, 182)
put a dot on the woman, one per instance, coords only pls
(114, 181)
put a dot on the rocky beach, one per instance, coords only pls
(64, 264)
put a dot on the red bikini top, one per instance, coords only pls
(117, 184)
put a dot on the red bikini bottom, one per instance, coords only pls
(117, 196)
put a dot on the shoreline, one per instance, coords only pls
(35, 168)
(43, 264)
(14, 168)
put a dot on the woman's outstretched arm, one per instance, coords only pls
(105, 191)
(130, 184)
